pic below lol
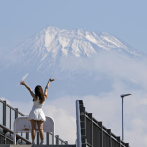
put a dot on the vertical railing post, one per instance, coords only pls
(57, 139)
(83, 124)
(27, 136)
(79, 144)
(47, 134)
(4, 118)
(127, 144)
(101, 134)
(4, 113)
(118, 139)
(53, 135)
(10, 119)
(91, 128)
(5, 140)
(110, 142)
(37, 135)
(16, 113)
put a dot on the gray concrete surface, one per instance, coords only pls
(2, 145)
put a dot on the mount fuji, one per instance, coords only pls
(77, 59)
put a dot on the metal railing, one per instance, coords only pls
(7, 134)
(59, 141)
(93, 133)
(7, 115)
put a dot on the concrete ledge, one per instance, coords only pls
(3, 145)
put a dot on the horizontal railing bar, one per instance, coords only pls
(6, 137)
(11, 107)
(61, 139)
(96, 124)
(1, 101)
(88, 144)
(118, 142)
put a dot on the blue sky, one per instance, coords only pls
(124, 19)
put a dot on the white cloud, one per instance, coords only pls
(111, 64)
(64, 122)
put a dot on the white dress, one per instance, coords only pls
(37, 112)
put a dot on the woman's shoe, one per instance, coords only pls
(33, 143)
(42, 143)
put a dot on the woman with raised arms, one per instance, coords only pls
(36, 115)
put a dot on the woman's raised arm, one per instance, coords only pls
(47, 86)
(30, 90)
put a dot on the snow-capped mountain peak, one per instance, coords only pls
(54, 41)
(50, 44)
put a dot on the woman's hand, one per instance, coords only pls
(51, 79)
(47, 86)
(22, 83)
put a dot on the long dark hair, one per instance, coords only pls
(39, 93)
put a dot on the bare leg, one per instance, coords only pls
(33, 123)
(40, 127)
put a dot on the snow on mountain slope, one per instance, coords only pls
(46, 48)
